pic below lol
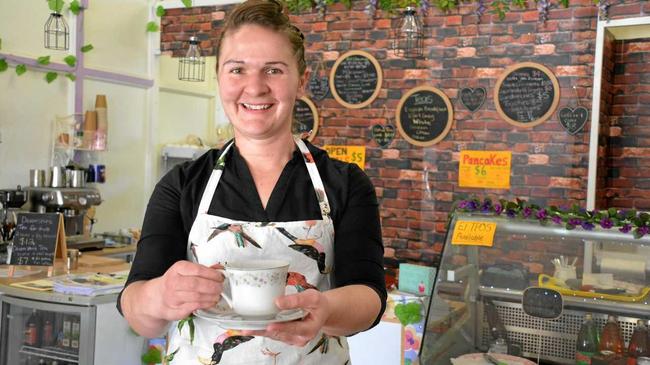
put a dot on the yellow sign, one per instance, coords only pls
(353, 154)
(485, 169)
(474, 233)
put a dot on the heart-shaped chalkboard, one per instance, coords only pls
(473, 99)
(573, 120)
(383, 134)
(319, 87)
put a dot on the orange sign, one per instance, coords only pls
(484, 169)
(353, 154)
(474, 233)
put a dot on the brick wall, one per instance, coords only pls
(628, 170)
(417, 186)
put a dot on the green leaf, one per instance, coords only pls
(20, 69)
(160, 11)
(70, 60)
(3, 65)
(187, 3)
(75, 7)
(565, 3)
(43, 60)
(70, 76)
(409, 313)
(56, 5)
(153, 27)
(51, 76)
(191, 323)
(612, 212)
(170, 357)
(152, 356)
(87, 48)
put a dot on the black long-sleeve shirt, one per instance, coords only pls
(358, 248)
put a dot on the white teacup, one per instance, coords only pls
(254, 286)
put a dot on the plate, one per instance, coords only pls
(479, 359)
(228, 319)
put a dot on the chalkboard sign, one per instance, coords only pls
(424, 116)
(305, 118)
(355, 79)
(36, 239)
(526, 94)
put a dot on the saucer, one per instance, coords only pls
(228, 319)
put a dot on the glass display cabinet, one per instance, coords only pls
(477, 298)
(53, 328)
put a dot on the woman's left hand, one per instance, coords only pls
(299, 332)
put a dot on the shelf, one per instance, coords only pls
(183, 151)
(50, 352)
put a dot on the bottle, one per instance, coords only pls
(499, 346)
(638, 343)
(31, 330)
(67, 330)
(74, 336)
(47, 338)
(611, 339)
(587, 343)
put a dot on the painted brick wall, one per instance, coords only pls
(417, 186)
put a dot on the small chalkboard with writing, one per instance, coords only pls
(424, 116)
(355, 79)
(305, 118)
(526, 94)
(37, 237)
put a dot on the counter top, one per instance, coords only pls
(87, 263)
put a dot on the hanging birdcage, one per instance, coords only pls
(56, 33)
(409, 38)
(192, 66)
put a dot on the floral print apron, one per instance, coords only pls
(309, 248)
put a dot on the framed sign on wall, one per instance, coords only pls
(526, 94)
(355, 79)
(424, 116)
(305, 118)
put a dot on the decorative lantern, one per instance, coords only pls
(409, 38)
(57, 34)
(192, 66)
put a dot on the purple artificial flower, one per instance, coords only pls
(643, 230)
(511, 213)
(541, 214)
(574, 222)
(526, 212)
(606, 223)
(472, 205)
(626, 228)
(557, 219)
(587, 226)
(485, 207)
(498, 208)
(463, 204)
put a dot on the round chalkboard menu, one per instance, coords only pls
(355, 79)
(305, 118)
(424, 116)
(526, 94)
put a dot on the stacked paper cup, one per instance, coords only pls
(99, 142)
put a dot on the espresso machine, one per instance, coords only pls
(73, 203)
(11, 202)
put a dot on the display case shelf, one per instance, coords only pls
(52, 353)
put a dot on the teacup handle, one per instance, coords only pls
(224, 295)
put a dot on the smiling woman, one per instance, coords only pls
(266, 195)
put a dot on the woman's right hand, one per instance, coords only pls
(186, 287)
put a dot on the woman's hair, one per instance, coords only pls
(269, 14)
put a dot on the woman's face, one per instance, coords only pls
(259, 81)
